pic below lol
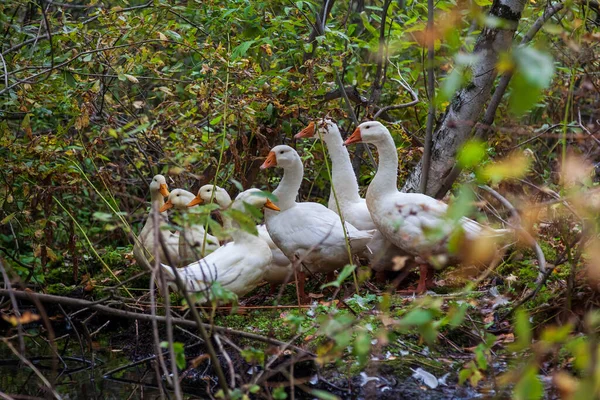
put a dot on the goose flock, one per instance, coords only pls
(305, 239)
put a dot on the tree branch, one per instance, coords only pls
(484, 126)
(431, 94)
(102, 309)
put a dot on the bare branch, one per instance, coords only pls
(103, 309)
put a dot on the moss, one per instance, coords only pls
(59, 276)
(60, 289)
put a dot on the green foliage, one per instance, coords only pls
(199, 91)
(344, 273)
(254, 356)
(534, 72)
(179, 350)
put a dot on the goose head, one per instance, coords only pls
(159, 184)
(368, 132)
(179, 199)
(255, 198)
(281, 156)
(205, 195)
(324, 128)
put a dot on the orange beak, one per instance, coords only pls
(197, 200)
(164, 190)
(271, 161)
(269, 204)
(166, 206)
(307, 132)
(354, 138)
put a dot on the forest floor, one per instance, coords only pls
(397, 366)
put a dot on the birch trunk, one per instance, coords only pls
(464, 110)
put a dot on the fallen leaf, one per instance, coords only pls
(25, 318)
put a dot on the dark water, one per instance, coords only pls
(76, 378)
(90, 378)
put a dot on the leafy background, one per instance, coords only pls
(200, 90)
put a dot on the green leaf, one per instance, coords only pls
(237, 184)
(464, 374)
(323, 395)
(367, 24)
(534, 71)
(346, 272)
(472, 154)
(462, 205)
(254, 389)
(216, 120)
(268, 195)
(102, 216)
(279, 393)
(522, 329)
(8, 218)
(242, 49)
(529, 386)
(556, 334)
(254, 356)
(362, 347)
(179, 350)
(417, 317)
(457, 314)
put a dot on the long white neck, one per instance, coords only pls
(385, 181)
(342, 174)
(157, 200)
(288, 188)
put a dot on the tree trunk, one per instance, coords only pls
(464, 110)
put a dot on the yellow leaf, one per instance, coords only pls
(166, 90)
(26, 318)
(514, 166)
(162, 36)
(131, 78)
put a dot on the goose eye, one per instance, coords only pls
(367, 127)
(281, 152)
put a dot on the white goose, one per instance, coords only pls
(238, 266)
(309, 231)
(380, 251)
(192, 239)
(407, 218)
(280, 269)
(144, 247)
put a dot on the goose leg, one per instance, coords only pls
(425, 278)
(273, 289)
(380, 276)
(303, 298)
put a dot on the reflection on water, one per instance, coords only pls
(76, 378)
